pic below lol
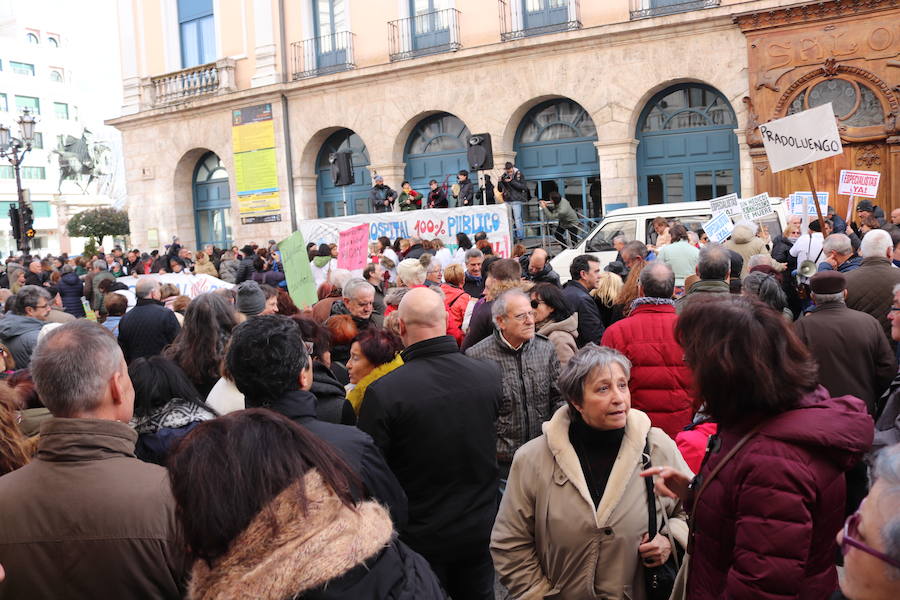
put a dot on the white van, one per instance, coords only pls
(634, 223)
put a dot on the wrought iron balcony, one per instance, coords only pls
(641, 9)
(519, 19)
(181, 86)
(429, 33)
(323, 55)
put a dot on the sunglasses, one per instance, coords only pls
(851, 538)
(535, 304)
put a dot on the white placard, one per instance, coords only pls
(859, 183)
(443, 223)
(802, 202)
(729, 204)
(719, 227)
(756, 207)
(801, 138)
(188, 285)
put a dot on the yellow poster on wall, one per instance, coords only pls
(255, 164)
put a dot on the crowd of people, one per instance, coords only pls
(695, 419)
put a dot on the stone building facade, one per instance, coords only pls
(613, 104)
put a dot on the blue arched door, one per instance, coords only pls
(555, 151)
(687, 149)
(330, 198)
(436, 149)
(212, 203)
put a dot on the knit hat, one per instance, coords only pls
(828, 282)
(865, 205)
(250, 299)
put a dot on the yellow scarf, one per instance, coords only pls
(355, 396)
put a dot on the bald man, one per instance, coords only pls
(433, 419)
(539, 269)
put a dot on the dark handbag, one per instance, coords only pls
(660, 580)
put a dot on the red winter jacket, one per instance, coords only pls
(765, 525)
(456, 301)
(660, 381)
(692, 443)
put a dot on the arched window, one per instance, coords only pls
(687, 149)
(32, 39)
(56, 76)
(53, 41)
(212, 202)
(436, 149)
(439, 133)
(331, 198)
(854, 103)
(210, 169)
(557, 120)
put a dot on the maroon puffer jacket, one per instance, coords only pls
(660, 381)
(765, 526)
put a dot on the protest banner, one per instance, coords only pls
(187, 284)
(859, 183)
(442, 223)
(801, 203)
(801, 138)
(729, 204)
(300, 281)
(756, 207)
(353, 247)
(719, 227)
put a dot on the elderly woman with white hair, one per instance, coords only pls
(870, 540)
(574, 522)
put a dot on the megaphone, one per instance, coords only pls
(807, 268)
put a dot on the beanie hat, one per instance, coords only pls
(250, 299)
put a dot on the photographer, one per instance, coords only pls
(515, 191)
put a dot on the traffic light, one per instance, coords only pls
(28, 220)
(14, 221)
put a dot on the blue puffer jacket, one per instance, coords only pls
(71, 289)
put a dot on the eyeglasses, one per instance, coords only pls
(851, 538)
(41, 306)
(524, 317)
(363, 304)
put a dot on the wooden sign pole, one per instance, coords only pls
(812, 187)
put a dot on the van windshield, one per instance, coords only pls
(602, 240)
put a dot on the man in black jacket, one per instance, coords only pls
(539, 269)
(433, 419)
(585, 271)
(148, 327)
(245, 267)
(515, 192)
(271, 367)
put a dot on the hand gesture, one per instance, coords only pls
(669, 483)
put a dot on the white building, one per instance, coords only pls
(48, 63)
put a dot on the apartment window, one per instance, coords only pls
(53, 41)
(197, 30)
(20, 68)
(32, 39)
(61, 110)
(4, 106)
(34, 173)
(6, 172)
(38, 143)
(61, 141)
(56, 75)
(29, 102)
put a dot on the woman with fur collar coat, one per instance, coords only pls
(573, 521)
(288, 526)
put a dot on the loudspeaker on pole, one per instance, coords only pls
(480, 153)
(341, 168)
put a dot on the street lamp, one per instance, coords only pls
(14, 150)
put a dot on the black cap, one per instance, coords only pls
(865, 205)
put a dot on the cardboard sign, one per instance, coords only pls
(443, 223)
(719, 227)
(353, 247)
(756, 207)
(801, 138)
(729, 204)
(300, 280)
(859, 183)
(187, 284)
(802, 203)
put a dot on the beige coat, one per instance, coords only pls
(549, 542)
(563, 334)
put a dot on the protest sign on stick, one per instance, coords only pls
(729, 204)
(858, 183)
(353, 247)
(800, 139)
(719, 227)
(756, 207)
(297, 272)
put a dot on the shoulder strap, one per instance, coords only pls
(651, 497)
(704, 481)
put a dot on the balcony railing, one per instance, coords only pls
(520, 19)
(189, 84)
(429, 33)
(323, 55)
(641, 9)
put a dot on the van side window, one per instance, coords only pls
(603, 240)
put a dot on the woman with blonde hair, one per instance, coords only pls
(609, 286)
(16, 449)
